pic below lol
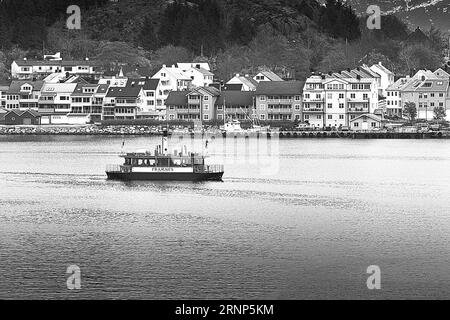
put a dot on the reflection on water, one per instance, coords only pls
(333, 208)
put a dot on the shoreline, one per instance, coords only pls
(142, 130)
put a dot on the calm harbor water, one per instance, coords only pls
(308, 229)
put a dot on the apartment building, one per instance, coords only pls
(151, 107)
(87, 103)
(55, 103)
(236, 105)
(171, 79)
(36, 69)
(23, 95)
(279, 100)
(426, 89)
(123, 103)
(198, 104)
(332, 100)
(386, 79)
(4, 88)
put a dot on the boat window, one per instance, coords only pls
(127, 161)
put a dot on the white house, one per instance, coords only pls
(149, 109)
(387, 77)
(29, 69)
(23, 95)
(200, 77)
(246, 82)
(55, 103)
(171, 79)
(365, 122)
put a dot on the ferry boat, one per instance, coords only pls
(159, 165)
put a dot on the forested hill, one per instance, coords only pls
(291, 37)
(213, 23)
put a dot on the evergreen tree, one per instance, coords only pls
(147, 37)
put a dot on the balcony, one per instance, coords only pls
(279, 110)
(361, 100)
(313, 99)
(280, 101)
(358, 109)
(313, 110)
(184, 110)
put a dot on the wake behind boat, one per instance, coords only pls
(162, 166)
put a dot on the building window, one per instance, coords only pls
(220, 116)
(262, 107)
(262, 117)
(374, 124)
(263, 98)
(330, 105)
(297, 107)
(306, 116)
(297, 98)
(341, 106)
(330, 117)
(206, 107)
(319, 116)
(171, 116)
(206, 98)
(341, 116)
(355, 124)
(206, 117)
(341, 96)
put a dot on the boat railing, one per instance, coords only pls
(215, 168)
(115, 168)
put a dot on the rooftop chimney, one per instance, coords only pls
(164, 65)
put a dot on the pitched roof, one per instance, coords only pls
(280, 87)
(145, 83)
(368, 115)
(441, 73)
(54, 88)
(176, 98)
(124, 92)
(203, 71)
(17, 84)
(236, 98)
(272, 76)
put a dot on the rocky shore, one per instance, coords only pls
(79, 130)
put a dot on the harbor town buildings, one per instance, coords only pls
(79, 92)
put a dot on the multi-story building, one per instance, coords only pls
(34, 69)
(151, 108)
(123, 103)
(4, 88)
(23, 95)
(279, 100)
(394, 104)
(387, 77)
(198, 104)
(426, 94)
(87, 103)
(332, 100)
(239, 105)
(427, 90)
(171, 79)
(55, 103)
